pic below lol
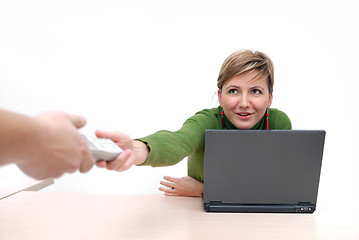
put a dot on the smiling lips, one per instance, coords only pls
(244, 115)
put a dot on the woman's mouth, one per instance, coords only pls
(244, 115)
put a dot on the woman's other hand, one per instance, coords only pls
(184, 186)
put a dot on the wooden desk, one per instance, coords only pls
(13, 180)
(53, 215)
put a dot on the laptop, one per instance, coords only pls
(274, 171)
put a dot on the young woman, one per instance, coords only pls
(245, 87)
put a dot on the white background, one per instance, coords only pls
(142, 66)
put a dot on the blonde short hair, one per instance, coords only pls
(246, 61)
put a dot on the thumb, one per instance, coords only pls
(77, 120)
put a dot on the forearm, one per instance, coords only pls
(168, 148)
(17, 133)
(141, 149)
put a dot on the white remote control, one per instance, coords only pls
(102, 148)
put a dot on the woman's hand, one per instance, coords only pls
(134, 152)
(184, 186)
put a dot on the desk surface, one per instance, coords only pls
(53, 215)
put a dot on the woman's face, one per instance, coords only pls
(244, 100)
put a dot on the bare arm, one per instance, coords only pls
(47, 145)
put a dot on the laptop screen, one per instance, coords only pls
(262, 167)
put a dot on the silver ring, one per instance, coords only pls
(173, 186)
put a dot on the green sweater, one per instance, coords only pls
(168, 148)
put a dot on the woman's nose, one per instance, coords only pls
(244, 101)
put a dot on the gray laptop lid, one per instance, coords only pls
(255, 167)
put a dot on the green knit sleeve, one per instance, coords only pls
(168, 148)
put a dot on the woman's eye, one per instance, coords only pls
(256, 91)
(232, 91)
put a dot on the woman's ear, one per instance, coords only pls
(270, 100)
(220, 97)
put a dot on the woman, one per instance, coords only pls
(245, 86)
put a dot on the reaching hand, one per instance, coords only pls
(55, 146)
(134, 152)
(184, 186)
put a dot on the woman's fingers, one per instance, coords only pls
(168, 191)
(171, 179)
(167, 184)
(101, 164)
(122, 162)
(185, 186)
(122, 139)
